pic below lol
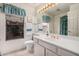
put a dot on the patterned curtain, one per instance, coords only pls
(63, 25)
(46, 18)
(10, 9)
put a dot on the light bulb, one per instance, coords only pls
(46, 7)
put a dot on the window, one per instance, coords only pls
(14, 27)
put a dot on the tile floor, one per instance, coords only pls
(20, 53)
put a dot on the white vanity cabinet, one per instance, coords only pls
(43, 47)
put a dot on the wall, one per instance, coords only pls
(73, 20)
(51, 24)
(9, 46)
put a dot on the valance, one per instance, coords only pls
(10, 9)
(46, 18)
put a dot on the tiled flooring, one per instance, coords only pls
(20, 53)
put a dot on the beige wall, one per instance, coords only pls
(73, 20)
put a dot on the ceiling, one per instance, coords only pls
(60, 7)
(22, 5)
(34, 4)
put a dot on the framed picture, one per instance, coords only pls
(29, 19)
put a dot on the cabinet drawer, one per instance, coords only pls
(48, 46)
(63, 52)
(50, 53)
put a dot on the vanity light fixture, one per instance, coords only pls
(46, 7)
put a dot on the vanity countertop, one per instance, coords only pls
(66, 43)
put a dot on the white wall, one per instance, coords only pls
(73, 20)
(8, 46)
(51, 24)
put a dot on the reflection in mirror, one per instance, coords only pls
(64, 19)
(64, 25)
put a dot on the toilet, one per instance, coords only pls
(29, 46)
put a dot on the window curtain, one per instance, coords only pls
(64, 25)
(46, 18)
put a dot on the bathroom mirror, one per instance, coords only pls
(64, 19)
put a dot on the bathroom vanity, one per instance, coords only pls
(46, 46)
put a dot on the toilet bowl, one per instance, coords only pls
(29, 46)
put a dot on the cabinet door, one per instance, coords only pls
(48, 46)
(63, 52)
(50, 53)
(38, 50)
